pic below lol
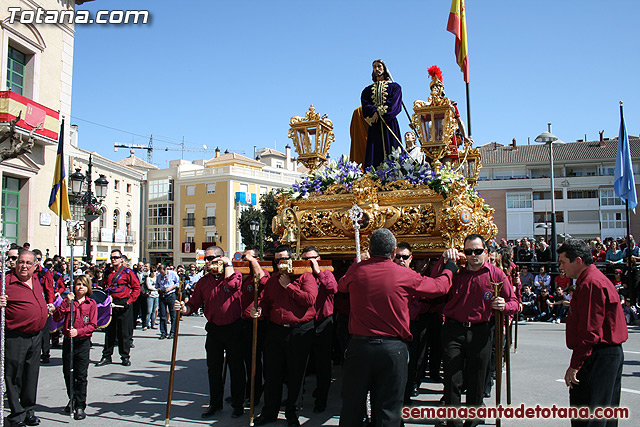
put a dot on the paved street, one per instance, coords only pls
(136, 395)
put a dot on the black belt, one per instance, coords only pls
(366, 338)
(465, 324)
(295, 325)
(604, 345)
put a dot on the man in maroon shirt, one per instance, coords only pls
(596, 329)
(289, 304)
(220, 291)
(323, 326)
(124, 288)
(26, 315)
(466, 334)
(377, 355)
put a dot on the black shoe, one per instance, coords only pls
(79, 415)
(319, 407)
(293, 422)
(132, 346)
(67, 409)
(14, 423)
(211, 410)
(104, 361)
(415, 392)
(237, 412)
(162, 337)
(45, 359)
(32, 421)
(126, 361)
(262, 420)
(228, 399)
(170, 336)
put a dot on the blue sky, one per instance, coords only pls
(231, 74)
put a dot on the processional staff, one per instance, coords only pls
(254, 350)
(499, 343)
(355, 214)
(72, 233)
(173, 355)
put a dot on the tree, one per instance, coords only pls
(268, 209)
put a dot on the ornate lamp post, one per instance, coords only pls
(88, 200)
(312, 136)
(254, 227)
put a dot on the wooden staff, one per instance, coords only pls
(515, 337)
(499, 343)
(507, 358)
(71, 382)
(173, 356)
(254, 351)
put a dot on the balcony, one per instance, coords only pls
(209, 221)
(189, 222)
(188, 247)
(131, 237)
(33, 114)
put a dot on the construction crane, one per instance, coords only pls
(150, 147)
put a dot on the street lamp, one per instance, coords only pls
(254, 227)
(87, 199)
(549, 138)
(546, 230)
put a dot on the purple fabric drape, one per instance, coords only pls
(380, 141)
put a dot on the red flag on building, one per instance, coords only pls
(458, 26)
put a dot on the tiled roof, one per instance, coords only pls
(227, 157)
(136, 162)
(497, 154)
(270, 152)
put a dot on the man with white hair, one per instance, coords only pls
(376, 357)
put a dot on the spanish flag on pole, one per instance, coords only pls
(458, 26)
(59, 199)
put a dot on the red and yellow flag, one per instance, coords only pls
(458, 26)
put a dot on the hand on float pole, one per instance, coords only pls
(173, 357)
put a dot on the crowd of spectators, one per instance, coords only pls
(544, 289)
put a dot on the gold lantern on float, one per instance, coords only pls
(312, 136)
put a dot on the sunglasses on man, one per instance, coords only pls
(476, 252)
(403, 257)
(211, 257)
(12, 258)
(307, 258)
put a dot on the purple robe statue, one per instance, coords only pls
(385, 98)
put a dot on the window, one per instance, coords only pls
(189, 238)
(116, 219)
(244, 188)
(583, 216)
(613, 220)
(212, 236)
(542, 217)
(129, 188)
(608, 197)
(128, 221)
(190, 220)
(160, 238)
(191, 190)
(582, 194)
(210, 219)
(263, 191)
(519, 201)
(546, 195)
(103, 217)
(10, 208)
(116, 184)
(160, 214)
(211, 188)
(160, 189)
(16, 70)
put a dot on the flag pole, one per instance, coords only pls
(468, 112)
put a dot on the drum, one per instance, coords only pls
(103, 301)
(53, 325)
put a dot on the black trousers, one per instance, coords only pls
(247, 349)
(121, 329)
(433, 352)
(81, 348)
(416, 348)
(600, 383)
(287, 351)
(219, 339)
(378, 365)
(22, 368)
(139, 309)
(322, 350)
(467, 352)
